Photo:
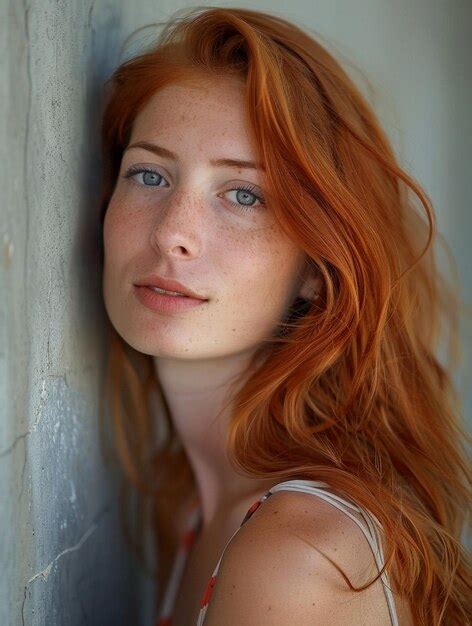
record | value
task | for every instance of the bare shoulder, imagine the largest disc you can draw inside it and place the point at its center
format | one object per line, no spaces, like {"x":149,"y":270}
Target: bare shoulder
{"x":274,"y":571}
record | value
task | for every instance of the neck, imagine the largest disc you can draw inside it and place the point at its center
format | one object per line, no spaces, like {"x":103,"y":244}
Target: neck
{"x":199,"y":395}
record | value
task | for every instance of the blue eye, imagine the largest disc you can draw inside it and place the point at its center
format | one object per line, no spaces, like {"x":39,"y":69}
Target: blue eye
{"x":245,"y":194}
{"x":246,"y":197}
{"x":153,"y":179}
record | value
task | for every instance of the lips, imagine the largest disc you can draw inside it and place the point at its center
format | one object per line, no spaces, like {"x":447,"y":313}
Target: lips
{"x":169,"y":285}
{"x":163,"y":303}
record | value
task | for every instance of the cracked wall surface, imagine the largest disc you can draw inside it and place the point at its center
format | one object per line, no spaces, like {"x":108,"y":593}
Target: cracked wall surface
{"x":62,"y":553}
{"x":62,"y":556}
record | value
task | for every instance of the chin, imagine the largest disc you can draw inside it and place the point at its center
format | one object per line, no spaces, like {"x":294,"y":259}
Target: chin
{"x":161,"y":344}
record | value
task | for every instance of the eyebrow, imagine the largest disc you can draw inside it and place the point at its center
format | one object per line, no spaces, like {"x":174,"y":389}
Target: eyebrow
{"x":168,"y":154}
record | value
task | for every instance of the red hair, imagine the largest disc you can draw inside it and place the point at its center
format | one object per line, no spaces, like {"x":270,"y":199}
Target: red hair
{"x":348,"y":389}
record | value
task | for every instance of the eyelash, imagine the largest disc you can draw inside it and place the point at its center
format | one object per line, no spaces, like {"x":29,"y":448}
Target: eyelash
{"x":244,"y":208}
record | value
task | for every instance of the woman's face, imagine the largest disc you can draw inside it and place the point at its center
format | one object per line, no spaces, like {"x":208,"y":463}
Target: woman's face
{"x":186,"y":220}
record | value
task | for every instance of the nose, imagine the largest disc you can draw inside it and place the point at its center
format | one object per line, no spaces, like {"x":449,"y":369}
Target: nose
{"x":179,"y":226}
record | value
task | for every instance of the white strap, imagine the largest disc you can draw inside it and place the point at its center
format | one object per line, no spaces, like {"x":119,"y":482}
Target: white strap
{"x":369,"y":530}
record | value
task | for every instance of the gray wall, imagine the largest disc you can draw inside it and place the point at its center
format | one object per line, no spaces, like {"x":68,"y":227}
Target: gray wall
{"x":62,"y":557}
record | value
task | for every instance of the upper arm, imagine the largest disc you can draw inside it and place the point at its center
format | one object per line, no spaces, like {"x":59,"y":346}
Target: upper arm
{"x":274,"y":572}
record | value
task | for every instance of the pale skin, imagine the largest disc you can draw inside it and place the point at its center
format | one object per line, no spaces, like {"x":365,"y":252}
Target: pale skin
{"x":185,"y":227}
{"x":180,"y":223}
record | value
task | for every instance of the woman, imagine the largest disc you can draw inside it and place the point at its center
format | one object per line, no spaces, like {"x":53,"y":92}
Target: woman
{"x":274,"y":300}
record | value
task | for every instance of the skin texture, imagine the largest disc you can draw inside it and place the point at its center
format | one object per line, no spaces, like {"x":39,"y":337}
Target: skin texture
{"x":273,"y":571}
{"x":184,"y":226}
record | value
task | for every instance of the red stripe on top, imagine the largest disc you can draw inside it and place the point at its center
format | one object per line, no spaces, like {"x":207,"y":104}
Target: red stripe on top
{"x":251,"y":511}
{"x":207,"y":595}
{"x":187,"y":540}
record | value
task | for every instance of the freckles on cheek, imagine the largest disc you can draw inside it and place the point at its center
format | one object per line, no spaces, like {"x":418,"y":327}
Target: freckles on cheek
{"x":121,"y":226}
{"x":274,"y":266}
{"x":259,"y":265}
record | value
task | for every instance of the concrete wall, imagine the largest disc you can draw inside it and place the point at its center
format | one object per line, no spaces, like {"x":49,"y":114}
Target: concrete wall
{"x":62,"y":557}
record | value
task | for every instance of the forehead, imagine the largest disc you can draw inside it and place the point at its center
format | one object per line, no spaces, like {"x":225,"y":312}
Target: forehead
{"x":209,"y":114}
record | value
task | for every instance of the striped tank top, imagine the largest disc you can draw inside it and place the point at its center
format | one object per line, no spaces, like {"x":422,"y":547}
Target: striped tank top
{"x":367,"y":522}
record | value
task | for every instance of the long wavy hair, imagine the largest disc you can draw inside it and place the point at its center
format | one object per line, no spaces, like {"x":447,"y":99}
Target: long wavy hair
{"x":350,"y":389}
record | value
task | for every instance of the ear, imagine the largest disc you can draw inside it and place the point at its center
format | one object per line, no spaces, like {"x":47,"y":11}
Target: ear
{"x":311,"y":284}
